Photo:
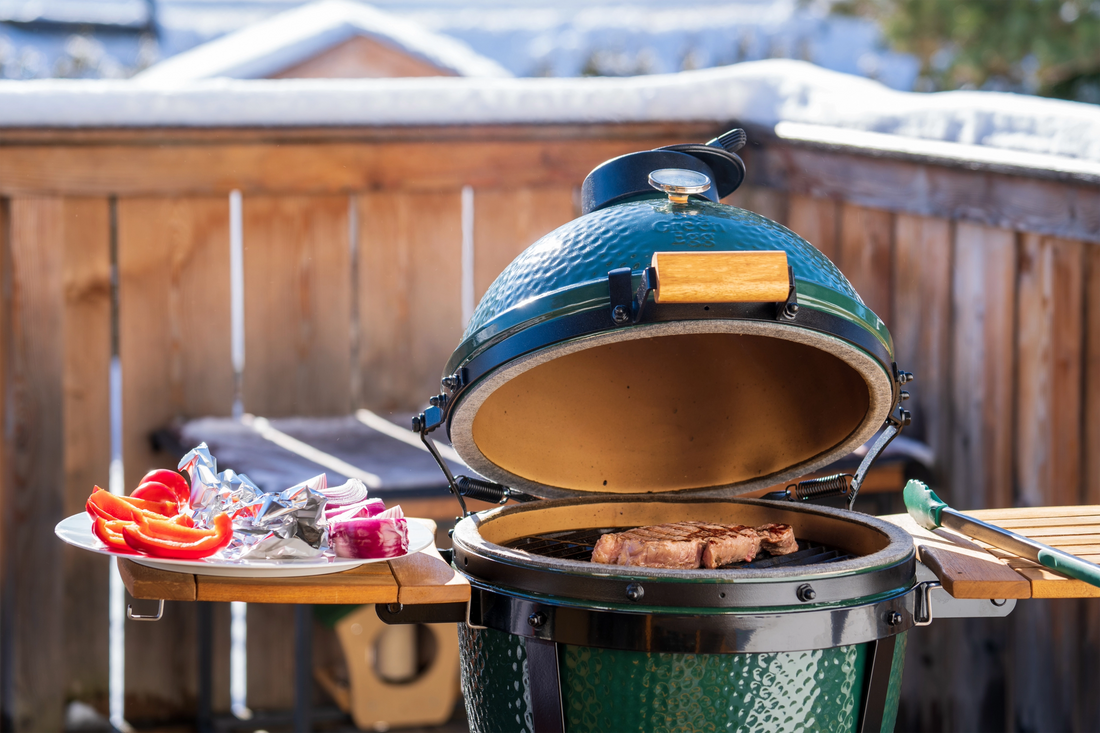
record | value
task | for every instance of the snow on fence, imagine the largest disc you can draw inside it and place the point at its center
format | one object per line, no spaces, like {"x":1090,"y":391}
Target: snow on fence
{"x":982,"y":260}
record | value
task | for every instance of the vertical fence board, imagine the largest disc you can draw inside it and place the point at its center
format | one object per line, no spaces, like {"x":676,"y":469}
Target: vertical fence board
{"x":1047,"y":636}
{"x":174,"y":332}
{"x":86,"y":412}
{"x":984,"y":303}
{"x":506,"y":222}
{"x":921,"y":324}
{"x":174,"y":347}
{"x":1048,"y":385}
{"x":1091,"y":485}
{"x":385,"y":301}
{"x":33,"y":646}
{"x":866,"y":256}
{"x":1088,"y":703}
{"x":297,"y":309}
{"x":410,"y":282}
{"x":817,"y":221}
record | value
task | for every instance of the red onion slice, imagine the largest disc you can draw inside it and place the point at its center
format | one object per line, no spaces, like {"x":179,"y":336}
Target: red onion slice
{"x":353,"y":491}
{"x":368,"y":508}
{"x":370,"y":538}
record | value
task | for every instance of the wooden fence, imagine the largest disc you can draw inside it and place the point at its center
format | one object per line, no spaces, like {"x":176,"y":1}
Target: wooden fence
{"x":988,"y":277}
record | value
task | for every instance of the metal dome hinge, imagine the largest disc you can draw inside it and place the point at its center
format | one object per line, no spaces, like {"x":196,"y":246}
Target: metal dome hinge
{"x":628,"y":304}
{"x":454,"y":382}
{"x":896,"y":421}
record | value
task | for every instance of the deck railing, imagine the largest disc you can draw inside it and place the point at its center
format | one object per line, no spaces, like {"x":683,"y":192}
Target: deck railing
{"x":363,"y":250}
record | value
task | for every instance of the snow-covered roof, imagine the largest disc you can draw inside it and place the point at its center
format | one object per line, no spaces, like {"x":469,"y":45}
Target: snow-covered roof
{"x":267,"y":47}
{"x":601,"y":37}
{"x":762,"y":93}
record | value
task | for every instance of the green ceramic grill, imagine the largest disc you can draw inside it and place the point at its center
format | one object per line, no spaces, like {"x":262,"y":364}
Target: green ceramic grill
{"x":649,"y":362}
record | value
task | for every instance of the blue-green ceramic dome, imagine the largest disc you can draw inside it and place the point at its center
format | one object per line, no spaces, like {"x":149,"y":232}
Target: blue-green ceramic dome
{"x":742,"y":398}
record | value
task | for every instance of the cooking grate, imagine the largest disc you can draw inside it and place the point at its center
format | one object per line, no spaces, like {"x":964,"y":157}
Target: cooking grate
{"x":577,"y":544}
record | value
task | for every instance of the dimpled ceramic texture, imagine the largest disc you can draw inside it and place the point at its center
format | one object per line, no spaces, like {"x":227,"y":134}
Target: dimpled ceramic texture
{"x":607,"y":690}
{"x":495,"y":683}
{"x":627,"y":235}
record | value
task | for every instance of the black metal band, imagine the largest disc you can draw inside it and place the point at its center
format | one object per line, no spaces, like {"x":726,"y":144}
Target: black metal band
{"x":544,"y":682}
{"x":714,"y":633}
{"x":598,"y":320}
{"x":877,"y":688}
{"x":424,"y":613}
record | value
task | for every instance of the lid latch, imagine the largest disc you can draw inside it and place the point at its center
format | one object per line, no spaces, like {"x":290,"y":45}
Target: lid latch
{"x":627,"y":305}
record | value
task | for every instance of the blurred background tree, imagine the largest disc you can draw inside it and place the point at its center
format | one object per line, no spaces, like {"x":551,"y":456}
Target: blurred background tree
{"x":1046,"y":47}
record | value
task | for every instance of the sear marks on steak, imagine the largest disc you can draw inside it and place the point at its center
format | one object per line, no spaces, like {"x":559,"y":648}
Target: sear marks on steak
{"x":778,"y":539}
{"x":688,"y":545}
{"x":738,"y":544}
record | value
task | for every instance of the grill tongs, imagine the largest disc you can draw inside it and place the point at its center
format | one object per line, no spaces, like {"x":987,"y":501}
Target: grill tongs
{"x":931,"y":512}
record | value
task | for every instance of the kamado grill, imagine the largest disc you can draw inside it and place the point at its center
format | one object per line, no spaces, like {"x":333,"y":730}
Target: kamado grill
{"x":648,"y":363}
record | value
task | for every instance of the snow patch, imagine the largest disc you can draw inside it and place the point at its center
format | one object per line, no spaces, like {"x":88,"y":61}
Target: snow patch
{"x":762,"y":93}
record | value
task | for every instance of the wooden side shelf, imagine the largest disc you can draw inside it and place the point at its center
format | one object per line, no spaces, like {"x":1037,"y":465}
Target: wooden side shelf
{"x":966,"y":568}
{"x":422,"y":577}
{"x":971,"y":569}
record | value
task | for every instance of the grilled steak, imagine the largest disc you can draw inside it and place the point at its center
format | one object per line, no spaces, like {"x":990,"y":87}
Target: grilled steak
{"x":687,"y":545}
{"x":778,"y":539}
{"x":738,"y":544}
{"x":676,"y":546}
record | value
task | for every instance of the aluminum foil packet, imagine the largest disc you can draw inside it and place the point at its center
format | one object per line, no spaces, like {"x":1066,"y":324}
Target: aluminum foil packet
{"x":289,"y":524}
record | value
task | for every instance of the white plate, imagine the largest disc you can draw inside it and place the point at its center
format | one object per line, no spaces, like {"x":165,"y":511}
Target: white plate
{"x":77,"y":531}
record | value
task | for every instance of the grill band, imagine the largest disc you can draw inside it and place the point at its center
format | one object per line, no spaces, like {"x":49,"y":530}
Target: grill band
{"x":719,"y":633}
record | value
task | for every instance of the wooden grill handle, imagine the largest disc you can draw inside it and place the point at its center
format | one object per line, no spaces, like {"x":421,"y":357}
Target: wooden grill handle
{"x":721,"y":277}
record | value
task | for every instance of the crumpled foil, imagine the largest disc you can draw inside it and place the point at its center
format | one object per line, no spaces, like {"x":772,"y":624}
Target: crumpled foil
{"x":289,"y":524}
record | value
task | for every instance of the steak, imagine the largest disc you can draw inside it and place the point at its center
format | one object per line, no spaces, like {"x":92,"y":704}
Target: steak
{"x":737,"y":544}
{"x":688,"y":545}
{"x":778,"y":539}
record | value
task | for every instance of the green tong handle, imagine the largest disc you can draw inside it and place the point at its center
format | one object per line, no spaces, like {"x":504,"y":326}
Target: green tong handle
{"x":1067,"y":564}
{"x":930,"y":512}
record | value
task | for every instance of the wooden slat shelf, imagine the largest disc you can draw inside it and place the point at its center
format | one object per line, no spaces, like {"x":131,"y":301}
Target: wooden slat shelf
{"x":972,"y":569}
{"x":422,"y":577}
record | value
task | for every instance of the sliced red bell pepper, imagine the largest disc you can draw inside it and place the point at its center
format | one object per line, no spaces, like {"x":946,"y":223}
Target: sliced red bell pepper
{"x":110,"y":534}
{"x":109,"y":506}
{"x":172,"y":530}
{"x":155,"y":491}
{"x":183,"y":520}
{"x":205,"y":544}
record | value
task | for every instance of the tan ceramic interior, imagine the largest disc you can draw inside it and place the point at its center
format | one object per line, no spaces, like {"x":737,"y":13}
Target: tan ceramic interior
{"x":672,"y":412}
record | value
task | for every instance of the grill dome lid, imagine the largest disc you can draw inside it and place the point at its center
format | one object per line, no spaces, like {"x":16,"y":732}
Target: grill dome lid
{"x":574,"y":376}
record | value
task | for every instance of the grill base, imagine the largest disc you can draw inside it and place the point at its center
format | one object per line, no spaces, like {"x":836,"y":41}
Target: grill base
{"x":577,"y":544}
